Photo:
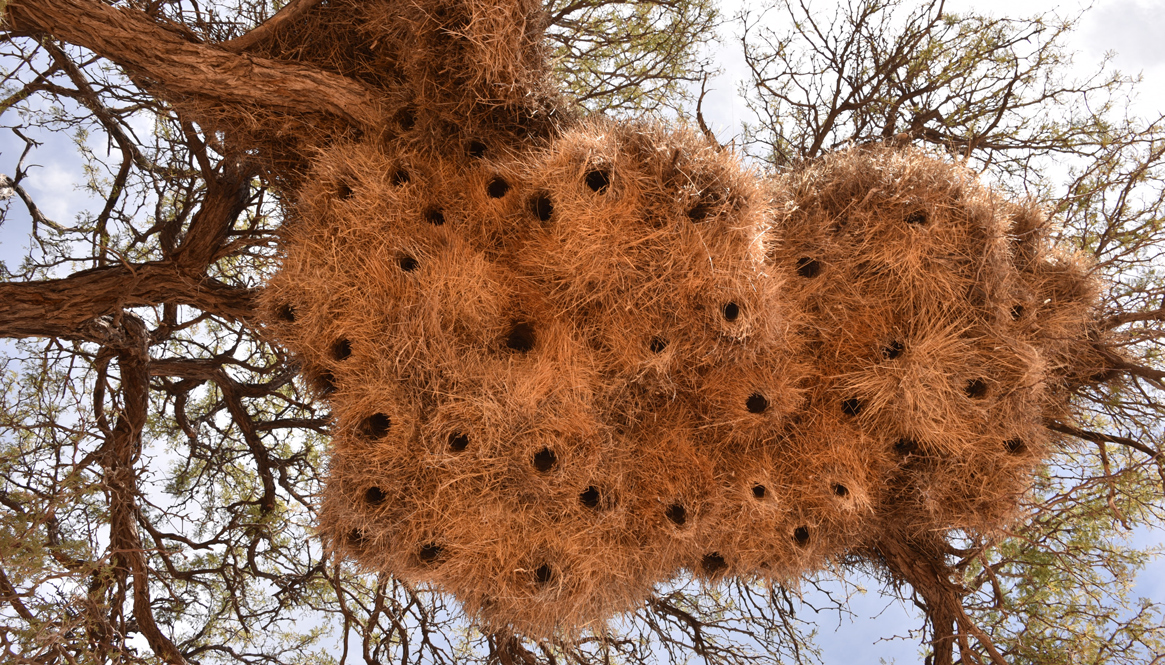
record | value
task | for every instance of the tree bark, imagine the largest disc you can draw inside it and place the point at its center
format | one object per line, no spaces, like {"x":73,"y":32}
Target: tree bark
{"x":183,"y":69}
{"x":70,"y":308}
{"x":119,"y":454}
{"x":922,"y":567}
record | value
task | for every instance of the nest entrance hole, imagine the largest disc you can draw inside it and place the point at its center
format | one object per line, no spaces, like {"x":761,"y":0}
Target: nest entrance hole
{"x":852,"y":407}
{"x":374,"y":496}
{"x":542,"y":206}
{"x":430,"y":553}
{"x":545,"y":460}
{"x":326,"y":383}
{"x":341,"y":349}
{"x":756,"y":403}
{"x":731,"y":311}
{"x":893,"y":350}
{"x":497,"y":187}
{"x":356,"y":538}
{"x":840,"y":490}
{"x":677,"y":514}
{"x":590,"y":497}
{"x":521,"y":337}
{"x":344,"y":191}
{"x":808,"y":267}
{"x":905,"y":446}
{"x":1015,"y":446}
{"x":286,"y":313}
{"x":705,"y":207}
{"x":713,"y":563}
{"x":759,"y":491}
{"x":918,"y":217}
{"x":407,"y":263}
{"x":1017,"y":312}
{"x":543,"y":575}
{"x":435,"y":216}
{"x":475,"y":149}
{"x":400,"y":177}
{"x":801,"y":536}
{"x":375,"y":426}
{"x":458,"y":442}
{"x":976,"y":389}
{"x":406,"y":119}
{"x":598,"y":180}
{"x":658,"y":344}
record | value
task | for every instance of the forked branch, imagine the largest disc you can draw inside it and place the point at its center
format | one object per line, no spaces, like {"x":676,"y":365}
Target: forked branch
{"x":180,"y":69}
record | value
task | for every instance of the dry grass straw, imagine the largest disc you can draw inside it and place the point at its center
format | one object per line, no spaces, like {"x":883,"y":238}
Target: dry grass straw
{"x":564,"y":375}
{"x":570,"y":360}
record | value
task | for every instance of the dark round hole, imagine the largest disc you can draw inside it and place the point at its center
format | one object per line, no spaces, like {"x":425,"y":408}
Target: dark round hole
{"x":731,"y":311}
{"x":905,"y":446}
{"x":400,"y":177}
{"x":701,"y":211}
{"x":1017,"y":312}
{"x":497,"y":188}
{"x":356,"y":538}
{"x":808,"y":268}
{"x":840,"y":490}
{"x":475,"y":149}
{"x":406,"y":119}
{"x":326,"y":383}
{"x":341,"y":349}
{"x":1015,"y":446}
{"x":544,"y":575}
{"x":521,"y":338}
{"x":598,"y":180}
{"x":756,"y":403}
{"x":542,"y":206}
{"x":976,"y":389}
{"x":658,"y":344}
{"x":434,"y":216}
{"x":893,"y":350}
{"x":375,"y":426}
{"x":344,"y":191}
{"x":430,"y":552}
{"x":407,"y":263}
{"x":677,"y":514}
{"x":458,"y":442}
{"x":713,"y":563}
{"x":544,"y":460}
{"x":852,"y":406}
{"x":590,"y":497}
{"x":374,"y":496}
{"x":286,"y":313}
{"x":758,"y":491}
{"x":916,"y":217}
{"x":801,"y":535}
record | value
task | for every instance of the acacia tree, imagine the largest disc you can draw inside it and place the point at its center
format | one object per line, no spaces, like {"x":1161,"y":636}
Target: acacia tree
{"x":160,"y":460}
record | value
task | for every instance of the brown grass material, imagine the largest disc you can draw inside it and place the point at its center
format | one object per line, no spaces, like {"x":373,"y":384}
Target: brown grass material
{"x":570,"y":369}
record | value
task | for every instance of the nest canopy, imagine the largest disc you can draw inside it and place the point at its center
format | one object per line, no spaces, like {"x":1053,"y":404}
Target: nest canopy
{"x":570,"y":358}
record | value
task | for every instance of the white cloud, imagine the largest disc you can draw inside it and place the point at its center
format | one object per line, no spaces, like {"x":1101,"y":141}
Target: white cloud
{"x":1132,"y":28}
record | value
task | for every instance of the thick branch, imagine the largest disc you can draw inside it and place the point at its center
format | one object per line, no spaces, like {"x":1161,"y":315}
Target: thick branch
{"x":68,"y":307}
{"x":184,"y":69}
{"x":119,"y":454}
{"x":921,"y":565}
{"x":290,"y":12}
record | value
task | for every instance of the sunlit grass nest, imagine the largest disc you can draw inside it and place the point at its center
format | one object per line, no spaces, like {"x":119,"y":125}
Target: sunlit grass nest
{"x":567,"y":370}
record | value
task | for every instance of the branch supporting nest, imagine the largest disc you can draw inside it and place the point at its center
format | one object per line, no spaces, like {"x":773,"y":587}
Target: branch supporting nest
{"x":166,"y":61}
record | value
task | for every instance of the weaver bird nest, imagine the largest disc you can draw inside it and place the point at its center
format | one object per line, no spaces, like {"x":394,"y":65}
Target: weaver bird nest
{"x":569,"y":360}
